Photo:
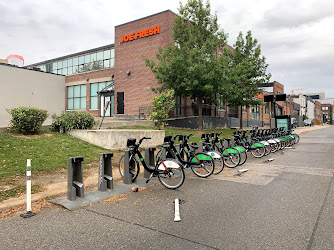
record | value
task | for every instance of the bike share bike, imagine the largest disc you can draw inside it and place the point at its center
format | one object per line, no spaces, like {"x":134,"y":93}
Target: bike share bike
{"x":201,"y":164}
{"x":230,"y":157}
{"x":169,"y":171}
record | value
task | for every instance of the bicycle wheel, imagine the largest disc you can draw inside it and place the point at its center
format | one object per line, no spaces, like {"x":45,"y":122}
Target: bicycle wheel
{"x":231,"y":157}
{"x":258,"y":152}
{"x":219,"y":161}
{"x":206,"y":167}
{"x":133,"y":167}
{"x":172,"y":176}
{"x":242,"y":154}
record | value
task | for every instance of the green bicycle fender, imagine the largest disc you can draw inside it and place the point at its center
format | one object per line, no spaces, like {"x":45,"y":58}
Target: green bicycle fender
{"x":295,"y":135}
{"x":201,"y":157}
{"x":230,"y":151}
{"x":240,"y":149}
{"x":257,"y":145}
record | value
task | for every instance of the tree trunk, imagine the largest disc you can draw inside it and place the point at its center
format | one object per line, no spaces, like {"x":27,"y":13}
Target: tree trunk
{"x":200,"y":116}
{"x":240,"y":117}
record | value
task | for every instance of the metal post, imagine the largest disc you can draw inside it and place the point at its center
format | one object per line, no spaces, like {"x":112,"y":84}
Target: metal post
{"x":105,"y":172}
{"x":200,"y":147}
{"x":29,"y":213}
{"x":127,"y":178}
{"x":75,"y":186}
{"x":150,"y":161}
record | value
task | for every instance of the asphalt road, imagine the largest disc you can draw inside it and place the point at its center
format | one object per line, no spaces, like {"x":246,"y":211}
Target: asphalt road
{"x":287,"y":203}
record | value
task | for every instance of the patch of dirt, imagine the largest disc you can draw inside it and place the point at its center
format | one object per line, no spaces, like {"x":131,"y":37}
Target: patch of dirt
{"x":55,"y":186}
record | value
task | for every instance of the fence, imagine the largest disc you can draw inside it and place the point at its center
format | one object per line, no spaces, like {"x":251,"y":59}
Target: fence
{"x":186,"y":111}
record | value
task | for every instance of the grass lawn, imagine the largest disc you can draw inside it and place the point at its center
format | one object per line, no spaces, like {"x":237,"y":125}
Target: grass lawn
{"x":48,"y":152}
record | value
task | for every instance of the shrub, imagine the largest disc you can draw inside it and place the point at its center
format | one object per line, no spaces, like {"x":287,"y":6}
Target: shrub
{"x":163,"y":103}
{"x":27,"y":120}
{"x":72,"y":120}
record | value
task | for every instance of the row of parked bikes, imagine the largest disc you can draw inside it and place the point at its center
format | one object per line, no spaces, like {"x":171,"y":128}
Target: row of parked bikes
{"x":208,"y":157}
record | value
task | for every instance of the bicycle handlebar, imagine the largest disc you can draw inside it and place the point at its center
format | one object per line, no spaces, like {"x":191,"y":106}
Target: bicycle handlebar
{"x":189,"y":136}
{"x":143,"y":138}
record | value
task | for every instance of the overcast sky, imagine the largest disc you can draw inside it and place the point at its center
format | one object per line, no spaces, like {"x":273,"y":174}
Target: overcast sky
{"x":296,"y":37}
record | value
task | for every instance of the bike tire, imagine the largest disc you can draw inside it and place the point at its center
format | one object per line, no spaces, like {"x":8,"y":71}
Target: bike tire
{"x":206,"y":168}
{"x":258,"y":152}
{"x":243,"y":155}
{"x":172,"y":178}
{"x":134,"y":167}
{"x":219,"y":165}
{"x":232,"y":160}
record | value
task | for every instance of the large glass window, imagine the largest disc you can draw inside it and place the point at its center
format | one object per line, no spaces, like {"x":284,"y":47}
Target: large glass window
{"x":99,"y":55}
{"x":255,"y":112}
{"x":89,"y":62}
{"x":267,"y":108}
{"x":94,"y":88}
{"x":75,"y":61}
{"x":76,"y":97}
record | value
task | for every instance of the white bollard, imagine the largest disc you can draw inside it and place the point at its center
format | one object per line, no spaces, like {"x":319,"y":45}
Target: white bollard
{"x":177,"y":210}
{"x":28,"y":185}
{"x":29,"y":213}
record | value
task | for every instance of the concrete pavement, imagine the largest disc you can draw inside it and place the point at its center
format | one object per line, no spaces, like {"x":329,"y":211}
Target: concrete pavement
{"x":283,"y":204}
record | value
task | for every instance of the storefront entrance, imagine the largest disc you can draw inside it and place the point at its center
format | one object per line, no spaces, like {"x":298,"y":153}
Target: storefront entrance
{"x":107,"y":104}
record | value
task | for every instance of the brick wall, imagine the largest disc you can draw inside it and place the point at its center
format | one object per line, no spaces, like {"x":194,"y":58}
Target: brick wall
{"x":129,"y":57}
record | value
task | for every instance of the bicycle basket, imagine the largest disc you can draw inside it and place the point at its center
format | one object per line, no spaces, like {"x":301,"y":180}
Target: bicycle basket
{"x":131,"y":143}
{"x":168,"y":139}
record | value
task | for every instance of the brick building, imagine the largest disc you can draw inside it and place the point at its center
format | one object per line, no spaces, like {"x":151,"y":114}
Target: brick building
{"x":114,"y":78}
{"x":318,"y":119}
{"x":326,"y":113}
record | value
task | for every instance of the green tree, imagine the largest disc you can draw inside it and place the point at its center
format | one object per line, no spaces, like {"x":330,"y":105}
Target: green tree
{"x":191,"y":66}
{"x":162,"y":104}
{"x":247,"y":71}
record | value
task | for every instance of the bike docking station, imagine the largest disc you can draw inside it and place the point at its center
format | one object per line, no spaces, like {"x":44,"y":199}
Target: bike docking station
{"x":77,"y":197}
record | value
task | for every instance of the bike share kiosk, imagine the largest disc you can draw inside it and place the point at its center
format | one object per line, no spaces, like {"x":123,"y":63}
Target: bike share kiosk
{"x":283,"y":121}
{"x":273,"y":99}
{"x":75,"y":186}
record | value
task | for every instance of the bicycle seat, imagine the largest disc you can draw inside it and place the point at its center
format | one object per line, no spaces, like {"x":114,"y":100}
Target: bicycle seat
{"x":168,"y":139}
{"x":131,"y":143}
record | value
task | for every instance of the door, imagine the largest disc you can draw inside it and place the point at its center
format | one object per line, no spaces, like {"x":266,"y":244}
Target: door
{"x":107,"y":105}
{"x":120,"y":102}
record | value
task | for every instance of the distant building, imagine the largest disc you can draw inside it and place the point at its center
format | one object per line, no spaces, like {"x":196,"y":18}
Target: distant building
{"x":310,"y":108}
{"x":301,"y":100}
{"x":15,"y":60}
{"x":327,"y":113}
{"x":317,"y":96}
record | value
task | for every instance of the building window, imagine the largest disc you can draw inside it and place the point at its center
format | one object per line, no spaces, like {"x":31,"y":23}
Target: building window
{"x":267,"y":108}
{"x":83,"y":63}
{"x":76,"y":97}
{"x":94,"y":89}
{"x":255,"y":112}
{"x":324,"y":108}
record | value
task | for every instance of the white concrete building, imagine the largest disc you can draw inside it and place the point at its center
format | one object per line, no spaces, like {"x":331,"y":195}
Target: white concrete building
{"x":310,"y":108}
{"x":301,"y":100}
{"x":26,"y":87}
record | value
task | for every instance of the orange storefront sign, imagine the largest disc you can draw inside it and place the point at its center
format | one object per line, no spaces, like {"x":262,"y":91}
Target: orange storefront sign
{"x":140,"y":34}
{"x":259,"y":96}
